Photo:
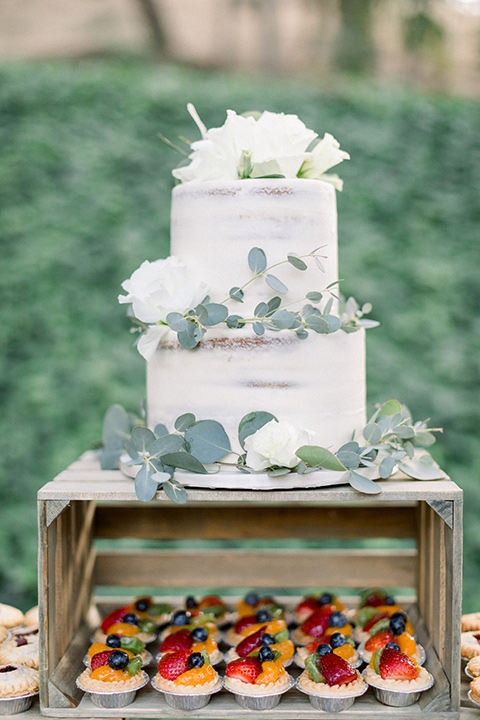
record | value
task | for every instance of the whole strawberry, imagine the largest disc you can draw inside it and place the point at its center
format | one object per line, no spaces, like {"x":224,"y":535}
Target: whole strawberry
{"x":180,"y":640}
{"x":173,"y":664}
{"x":100,"y":659}
{"x":115,"y":617}
{"x":379,"y":640}
{"x":396,"y":665}
{"x":244,"y":622}
{"x":245,"y":669}
{"x":316,"y":624}
{"x":336,"y":670}
{"x":246,"y":646}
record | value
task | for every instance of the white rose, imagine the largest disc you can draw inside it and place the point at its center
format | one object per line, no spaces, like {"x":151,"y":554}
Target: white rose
{"x":281,"y":143}
{"x":150,"y":340}
{"x":158,"y":288}
{"x":324,"y":155}
{"x":275,"y":444}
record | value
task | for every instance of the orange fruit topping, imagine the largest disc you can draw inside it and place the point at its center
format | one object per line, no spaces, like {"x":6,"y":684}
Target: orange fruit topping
{"x":272,"y":627}
{"x":96,"y":648}
{"x":388,"y":609}
{"x":209,"y":645}
{"x":285,"y":648}
{"x":345,"y":651}
{"x":346,"y":630}
{"x":271,"y":672}
{"x":123,"y":630}
{"x":406,"y":643}
{"x":106,"y":674}
{"x":197,"y":676}
{"x":338,"y":604}
{"x":243,"y":609}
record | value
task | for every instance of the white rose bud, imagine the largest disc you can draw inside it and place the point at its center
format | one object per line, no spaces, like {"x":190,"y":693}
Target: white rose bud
{"x":275,"y":444}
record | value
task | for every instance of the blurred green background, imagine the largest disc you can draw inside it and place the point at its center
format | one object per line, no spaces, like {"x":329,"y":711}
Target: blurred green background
{"x":85,"y":186}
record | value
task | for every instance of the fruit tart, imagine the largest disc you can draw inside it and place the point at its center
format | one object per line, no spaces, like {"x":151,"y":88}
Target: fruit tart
{"x":21,"y":649}
{"x":188,"y":679}
{"x":194,"y":640}
{"x":279,"y":642}
{"x":330,"y":682}
{"x":255,"y":677}
{"x":323,"y":622}
{"x":126,"y":625}
{"x":185,"y":620}
{"x":132,"y":645}
{"x":210,"y":605}
{"x":397,"y":679}
{"x":470,"y":644}
{"x":252,"y":602}
{"x":341,"y":645}
{"x":471,"y":621}
{"x":474,"y":693}
{"x":369,"y":620}
{"x":244,"y":625}
{"x":311,"y":603}
{"x":10,"y":616}
{"x":391,"y":632}
{"x":113,"y":678}
{"x":18,"y":685}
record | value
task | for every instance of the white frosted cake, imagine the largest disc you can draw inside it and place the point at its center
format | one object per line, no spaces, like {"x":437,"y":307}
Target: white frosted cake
{"x":317,"y":382}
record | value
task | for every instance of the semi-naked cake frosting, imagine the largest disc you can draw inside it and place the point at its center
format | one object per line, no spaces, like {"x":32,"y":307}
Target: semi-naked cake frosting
{"x":317,"y":382}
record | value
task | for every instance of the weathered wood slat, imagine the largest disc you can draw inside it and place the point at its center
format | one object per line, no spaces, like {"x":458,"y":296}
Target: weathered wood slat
{"x":266,"y":568}
{"x":156,"y":522}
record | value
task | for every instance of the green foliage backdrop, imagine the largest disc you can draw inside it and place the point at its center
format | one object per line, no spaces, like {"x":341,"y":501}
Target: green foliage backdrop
{"x":85,"y":185}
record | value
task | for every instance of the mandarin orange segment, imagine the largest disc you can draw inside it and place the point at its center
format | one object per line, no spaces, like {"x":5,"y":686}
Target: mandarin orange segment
{"x":123,"y":630}
{"x":345,"y":651}
{"x":338,"y":604}
{"x":389,"y":609}
{"x":97,"y":648}
{"x":244,"y":609}
{"x":106,"y":674}
{"x":346,"y":630}
{"x":209,"y":645}
{"x":272,"y":627}
{"x":407,"y":644}
{"x":197,"y":676}
{"x":271,"y":672}
{"x":285,"y":648}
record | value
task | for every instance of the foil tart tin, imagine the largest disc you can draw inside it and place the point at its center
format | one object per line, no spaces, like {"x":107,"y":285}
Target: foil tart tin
{"x":332,"y":704}
{"x":112,"y":699}
{"x":148,"y":660}
{"x":14,"y":705}
{"x":261,"y":702}
{"x":399,"y":698}
{"x":469,"y":674}
{"x":366,"y":656}
{"x":470,"y":697}
{"x":183,"y":701}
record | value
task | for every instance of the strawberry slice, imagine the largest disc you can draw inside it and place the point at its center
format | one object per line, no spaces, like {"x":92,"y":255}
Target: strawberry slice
{"x":397,"y":666}
{"x":250,"y":643}
{"x":373,"y":621}
{"x":100,"y":658}
{"x":180,"y":640}
{"x":336,"y":670}
{"x":317,"y":623}
{"x":309,"y":604}
{"x":245,"y":669}
{"x":379,"y":640}
{"x":244,"y":623}
{"x":174,"y":664}
{"x":115,"y":617}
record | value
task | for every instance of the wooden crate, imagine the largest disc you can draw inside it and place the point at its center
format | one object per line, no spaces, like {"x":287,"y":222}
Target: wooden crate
{"x":84,"y":506}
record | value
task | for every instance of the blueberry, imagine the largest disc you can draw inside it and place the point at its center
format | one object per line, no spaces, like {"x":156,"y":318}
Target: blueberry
{"x":118,"y":660}
{"x":180,"y":618}
{"x":337,"y":639}
{"x":251,"y":599}
{"x":266,"y":653}
{"x":112,"y":641}
{"x":393,"y":646}
{"x":199,"y":634}
{"x":325,"y":599}
{"x":397,"y":625}
{"x":267,"y":639}
{"x":131,"y":619}
{"x":323,"y":649}
{"x":263,"y":616}
{"x":190,"y":602}
{"x":195,"y":660}
{"x":142,"y":604}
{"x":389,"y":600}
{"x":337,"y":619}
{"x":399,"y":614}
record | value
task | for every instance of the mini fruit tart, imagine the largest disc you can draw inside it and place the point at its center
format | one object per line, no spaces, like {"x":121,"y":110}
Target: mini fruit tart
{"x":21,"y":650}
{"x":133,"y":646}
{"x":473,"y":667}
{"x":17,"y":680}
{"x":369,"y":620}
{"x":257,"y":675}
{"x":243,"y":626}
{"x":394,"y":675}
{"x":113,"y":678}
{"x":341,"y":645}
{"x":323,"y":622}
{"x":311,"y":603}
{"x":194,"y":640}
{"x":331,"y":683}
{"x":186,"y":673}
{"x":391,"y":632}
{"x":471,"y":621}
{"x":185,"y":620}
{"x":279,"y":642}
{"x":129,"y":626}
{"x":148,"y":609}
{"x":252,"y":603}
{"x":470,"y":644}
{"x":208,"y":605}
{"x":475,"y":690}
{"x":10,"y":616}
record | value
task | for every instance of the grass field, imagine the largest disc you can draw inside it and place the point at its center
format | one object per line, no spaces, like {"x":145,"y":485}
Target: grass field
{"x":85,"y":185}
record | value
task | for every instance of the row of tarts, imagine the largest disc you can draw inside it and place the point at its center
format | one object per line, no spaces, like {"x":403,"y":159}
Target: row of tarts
{"x":258,"y":641}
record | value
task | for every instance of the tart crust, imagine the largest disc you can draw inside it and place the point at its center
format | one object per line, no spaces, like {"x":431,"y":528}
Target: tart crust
{"x":27,"y":654}
{"x":356,"y":687}
{"x":473,"y":666}
{"x":172,"y":687}
{"x":469,"y":645}
{"x":10,"y":616}
{"x":89,"y":685}
{"x":421,"y":682}
{"x":242,"y":688}
{"x":20,"y":681}
{"x":471,"y":621}
{"x":302,"y":653}
{"x":475,"y":690}
{"x":3,"y":634}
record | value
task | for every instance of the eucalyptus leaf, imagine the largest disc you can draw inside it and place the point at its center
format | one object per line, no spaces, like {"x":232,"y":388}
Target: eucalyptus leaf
{"x":352,"y":307}
{"x":257,"y":261}
{"x":390,"y":407}
{"x":348,"y":459}
{"x":160,"y":430}
{"x":367,"y":308}
{"x":351,"y":446}
{"x":372,"y":433}
{"x":184,"y":421}
{"x":301,"y":467}
{"x":261,"y":309}
{"x":142,"y":438}
{"x":109,"y":458}
{"x":252,"y":422}
{"x":405,"y":432}
{"x":319,"y":457}
{"x":186,"y":338}
{"x":216,"y":313}
{"x":160,"y":477}
{"x":419,"y":471}
{"x":145,"y":486}
{"x":198,"y":333}
{"x":386,"y":467}
{"x":278,"y":471}
{"x":276,"y":284}
{"x":320,"y":264}
{"x":235,"y":321}
{"x":314,"y":296}
{"x":177,"y":322}
{"x":333,"y":322}
{"x":317,"y":324}
{"x":368,"y":324}
{"x":273,"y":304}
{"x":363,"y":484}
{"x":283,"y":319}
{"x":184,"y":461}
{"x":207,"y":441}
{"x":296,"y":262}
{"x":236,"y":293}
{"x":301,"y":333}
{"x":166,"y":444}
{"x":202,"y":314}
{"x":328,"y":306}
{"x":174,"y":491}
{"x":116,"y":427}
{"x":424,"y":438}
{"x":258,"y":328}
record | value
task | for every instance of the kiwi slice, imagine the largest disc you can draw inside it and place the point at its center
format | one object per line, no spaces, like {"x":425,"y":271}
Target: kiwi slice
{"x":365,"y":614}
{"x":134,"y":666}
{"x":311,"y":666}
{"x":281,"y":636}
{"x":376,"y":660}
{"x":382,"y":624}
{"x":132,"y":643}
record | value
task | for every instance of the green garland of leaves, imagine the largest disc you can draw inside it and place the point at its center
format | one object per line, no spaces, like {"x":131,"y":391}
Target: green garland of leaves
{"x":389,"y":441}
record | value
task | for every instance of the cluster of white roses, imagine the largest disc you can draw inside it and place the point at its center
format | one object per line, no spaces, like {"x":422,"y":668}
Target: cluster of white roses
{"x":251,"y":147}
